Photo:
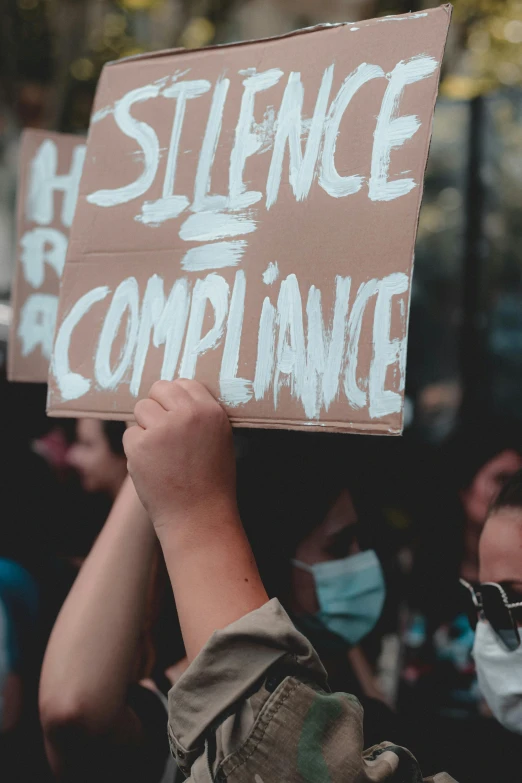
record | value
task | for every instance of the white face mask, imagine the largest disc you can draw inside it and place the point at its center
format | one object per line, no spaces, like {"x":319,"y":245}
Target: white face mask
{"x":500,"y":677}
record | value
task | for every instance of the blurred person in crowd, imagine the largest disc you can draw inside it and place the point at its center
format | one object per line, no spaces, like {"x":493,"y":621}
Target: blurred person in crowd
{"x":54,"y":446}
{"x":496,"y":602}
{"x":439,"y":691}
{"x":102,"y":713}
{"x":48,"y":526}
{"x":114,"y":646}
{"x":98,"y":457}
{"x":317,"y":538}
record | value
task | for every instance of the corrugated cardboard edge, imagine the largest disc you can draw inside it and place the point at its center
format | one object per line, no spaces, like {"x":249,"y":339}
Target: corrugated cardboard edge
{"x":370,"y":428}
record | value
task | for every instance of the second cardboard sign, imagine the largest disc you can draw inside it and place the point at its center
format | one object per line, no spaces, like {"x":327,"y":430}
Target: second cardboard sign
{"x":49,"y":171}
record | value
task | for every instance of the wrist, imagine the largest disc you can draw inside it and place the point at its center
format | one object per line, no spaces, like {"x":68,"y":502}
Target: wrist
{"x":197,"y":523}
{"x":132,"y":515}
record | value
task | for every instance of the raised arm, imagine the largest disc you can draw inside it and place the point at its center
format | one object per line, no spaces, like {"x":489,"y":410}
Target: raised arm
{"x":181,"y":458}
{"x":257,"y":678}
{"x":90,"y":659}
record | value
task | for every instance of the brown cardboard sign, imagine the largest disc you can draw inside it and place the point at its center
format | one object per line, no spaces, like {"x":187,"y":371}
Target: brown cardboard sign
{"x":50,"y":168}
{"x":247,"y":216}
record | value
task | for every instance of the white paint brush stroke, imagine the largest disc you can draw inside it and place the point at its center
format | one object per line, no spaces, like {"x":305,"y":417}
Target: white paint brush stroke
{"x":215,"y":256}
{"x":202,"y":199}
{"x":247,"y":143}
{"x":126,"y":297}
{"x":386,"y":352}
{"x":315,"y":358}
{"x":234,"y":391}
{"x":37,"y":322}
{"x":148,"y":142}
{"x":401,"y":18}
{"x":264,"y":130}
{"x":44,"y":181}
{"x":290,"y":355}
{"x":265,"y":350}
{"x":164,"y":209}
{"x":207,"y":226}
{"x":214,"y":290}
{"x":334,"y":349}
{"x":271,"y":273}
{"x":405,"y":318}
{"x":329,"y":178}
{"x":313,"y":374}
{"x":39,"y":247}
{"x":106,"y":111}
{"x":324,"y":350}
{"x":99,"y":115}
{"x":355,"y":395}
{"x":289,"y":129}
{"x":153,"y":213}
{"x":392,"y":131}
{"x":72,"y":385}
{"x":166,"y":320}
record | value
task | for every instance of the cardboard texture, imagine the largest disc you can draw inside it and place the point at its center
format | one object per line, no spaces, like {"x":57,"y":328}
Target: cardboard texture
{"x":49,"y":172}
{"x":247,"y":216}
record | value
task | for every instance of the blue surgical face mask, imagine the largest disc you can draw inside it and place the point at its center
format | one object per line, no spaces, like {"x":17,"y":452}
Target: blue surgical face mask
{"x":350,"y":592}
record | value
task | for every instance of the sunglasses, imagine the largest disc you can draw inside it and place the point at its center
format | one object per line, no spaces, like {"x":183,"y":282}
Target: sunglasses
{"x":490,"y":602}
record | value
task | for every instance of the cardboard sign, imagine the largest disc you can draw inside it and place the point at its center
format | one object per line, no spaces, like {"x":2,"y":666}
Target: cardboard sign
{"x":50,"y":168}
{"x":247,"y":216}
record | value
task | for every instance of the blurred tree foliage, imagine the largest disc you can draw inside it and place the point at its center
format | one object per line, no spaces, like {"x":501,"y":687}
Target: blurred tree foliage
{"x":489,"y":51}
{"x":52,"y":51}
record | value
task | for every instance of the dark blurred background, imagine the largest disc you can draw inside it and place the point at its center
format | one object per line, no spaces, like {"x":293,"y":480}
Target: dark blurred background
{"x":424,"y":497}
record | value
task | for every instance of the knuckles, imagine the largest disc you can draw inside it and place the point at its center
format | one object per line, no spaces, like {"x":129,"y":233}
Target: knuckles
{"x":186,"y":417}
{"x":140,"y":408}
{"x":160,"y":388}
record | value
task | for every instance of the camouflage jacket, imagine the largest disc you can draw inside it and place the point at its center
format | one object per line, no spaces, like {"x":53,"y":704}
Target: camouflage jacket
{"x":254,"y":707}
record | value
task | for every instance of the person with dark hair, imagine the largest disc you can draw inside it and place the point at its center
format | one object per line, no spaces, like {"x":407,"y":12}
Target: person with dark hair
{"x":439,"y":691}
{"x":497,"y":604}
{"x":316,"y":536}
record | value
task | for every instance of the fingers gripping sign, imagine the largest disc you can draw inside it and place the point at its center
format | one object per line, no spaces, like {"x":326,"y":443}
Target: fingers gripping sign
{"x":180,"y":454}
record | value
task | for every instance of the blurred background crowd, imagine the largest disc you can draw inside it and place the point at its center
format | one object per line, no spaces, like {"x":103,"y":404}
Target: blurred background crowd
{"x":419,"y":502}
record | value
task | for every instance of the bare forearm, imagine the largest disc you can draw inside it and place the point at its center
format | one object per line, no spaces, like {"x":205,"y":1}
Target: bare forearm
{"x":181,"y":457}
{"x":213,"y":574}
{"x":91,"y":652}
